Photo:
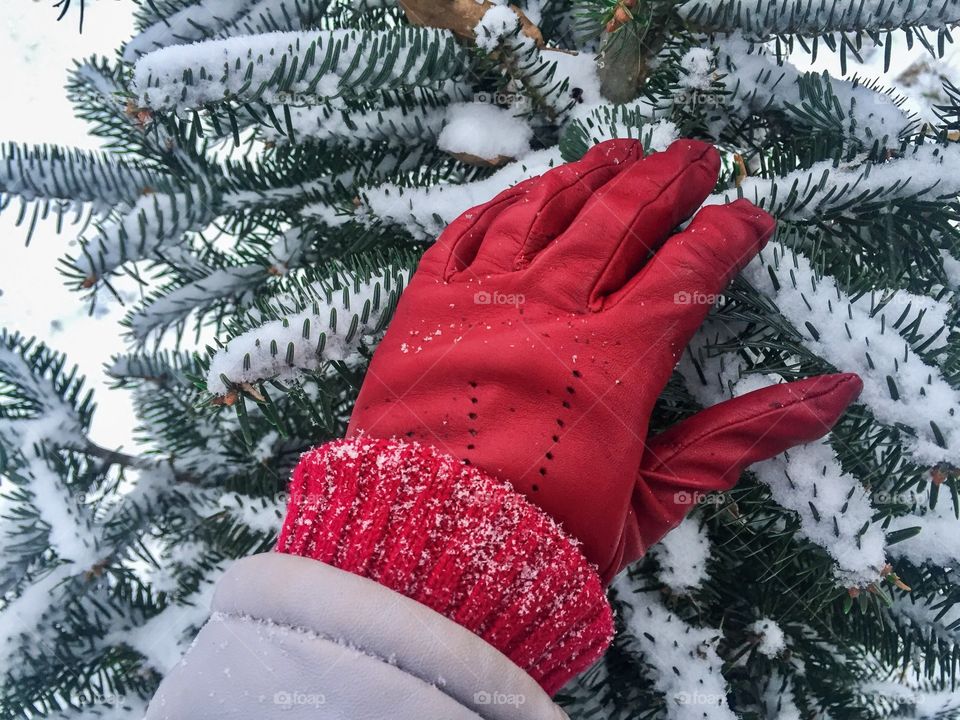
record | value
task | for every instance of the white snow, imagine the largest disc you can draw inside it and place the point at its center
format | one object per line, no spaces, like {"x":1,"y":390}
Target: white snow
{"x":699,"y":65}
{"x":307,"y":356}
{"x":683,"y":554}
{"x":426,"y":211}
{"x":927,"y":172}
{"x":484,"y":130}
{"x":771,"y":641}
{"x":771,"y":17}
{"x":810,"y":475}
{"x":753,"y":76}
{"x":496,"y":23}
{"x":180,"y":77}
{"x":807,"y":475}
{"x":397,"y":125}
{"x":684,"y":660}
{"x":854,"y":341}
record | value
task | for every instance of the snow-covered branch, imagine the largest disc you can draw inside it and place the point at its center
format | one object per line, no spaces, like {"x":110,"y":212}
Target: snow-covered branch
{"x":766,"y":18}
{"x":852,"y":108}
{"x":295,"y":68}
{"x":900,"y":388}
{"x":929,"y":172}
{"x":72,"y":176}
{"x":333,"y":327}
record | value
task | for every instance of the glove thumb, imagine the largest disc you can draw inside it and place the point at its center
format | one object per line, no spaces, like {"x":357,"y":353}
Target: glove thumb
{"x":710,"y":450}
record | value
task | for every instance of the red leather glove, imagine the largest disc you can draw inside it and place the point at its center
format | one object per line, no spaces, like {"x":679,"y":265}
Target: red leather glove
{"x":539,"y":330}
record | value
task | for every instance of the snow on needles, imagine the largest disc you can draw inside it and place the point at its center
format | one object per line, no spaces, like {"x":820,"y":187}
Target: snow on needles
{"x":770,"y":638}
{"x":898,"y":386}
{"x":683,"y":554}
{"x":426,"y":211}
{"x":782,"y":17}
{"x":498,"y":22}
{"x":833,"y":508}
{"x":326,"y":62}
{"x":684,"y":663}
{"x":928,"y":172}
{"x":333,"y":328}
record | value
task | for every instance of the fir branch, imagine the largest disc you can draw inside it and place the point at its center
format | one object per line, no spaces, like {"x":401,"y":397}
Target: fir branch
{"x":787,"y":17}
{"x":296,"y":67}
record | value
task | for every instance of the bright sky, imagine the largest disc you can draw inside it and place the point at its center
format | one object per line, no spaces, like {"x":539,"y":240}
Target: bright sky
{"x":36,"y":52}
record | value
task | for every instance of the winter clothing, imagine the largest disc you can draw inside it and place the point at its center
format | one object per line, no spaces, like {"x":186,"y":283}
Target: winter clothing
{"x":292,"y":639}
{"x":457,"y":540}
{"x":539,"y":330}
{"x":497,"y":468}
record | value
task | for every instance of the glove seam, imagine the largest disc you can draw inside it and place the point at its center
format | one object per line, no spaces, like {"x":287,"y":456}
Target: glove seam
{"x":613,"y":255}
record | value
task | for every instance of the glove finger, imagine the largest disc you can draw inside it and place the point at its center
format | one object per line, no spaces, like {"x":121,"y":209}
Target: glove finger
{"x":458,"y":243}
{"x":630,"y":217}
{"x":549,"y":205}
{"x":682,"y":281}
{"x":710,"y":450}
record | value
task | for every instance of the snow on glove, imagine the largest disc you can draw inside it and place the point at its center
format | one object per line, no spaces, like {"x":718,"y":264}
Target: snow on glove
{"x":539,"y":330}
{"x":507,"y":407}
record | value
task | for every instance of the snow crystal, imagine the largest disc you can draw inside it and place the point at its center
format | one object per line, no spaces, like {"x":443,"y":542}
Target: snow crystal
{"x":497,"y":22}
{"x":662,"y":134}
{"x":484,"y":130}
{"x":772,"y":641}
{"x":684,"y":661}
{"x":951,"y":268}
{"x":698,"y":62}
{"x":265,"y":351}
{"x":832,"y":506}
{"x":259,"y":514}
{"x":939,"y":540}
{"x":683,"y":554}
{"x":852,"y":339}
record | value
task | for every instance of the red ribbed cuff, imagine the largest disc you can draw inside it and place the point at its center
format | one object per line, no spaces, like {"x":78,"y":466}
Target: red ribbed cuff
{"x":457,"y":540}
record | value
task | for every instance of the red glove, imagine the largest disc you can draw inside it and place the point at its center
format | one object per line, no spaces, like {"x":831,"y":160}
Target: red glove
{"x":539,"y":330}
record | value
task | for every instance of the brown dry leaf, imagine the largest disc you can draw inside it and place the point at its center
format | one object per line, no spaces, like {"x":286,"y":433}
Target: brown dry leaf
{"x":225,"y":400}
{"x":461,"y":16}
{"x":742,"y":171}
{"x":252,"y":392}
{"x":478,"y":161}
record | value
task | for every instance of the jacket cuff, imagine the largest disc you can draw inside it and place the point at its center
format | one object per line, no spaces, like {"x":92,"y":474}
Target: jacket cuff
{"x":457,"y":540}
{"x":292,"y":639}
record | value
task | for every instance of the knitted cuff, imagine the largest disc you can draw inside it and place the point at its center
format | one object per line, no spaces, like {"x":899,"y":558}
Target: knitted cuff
{"x":457,"y":540}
